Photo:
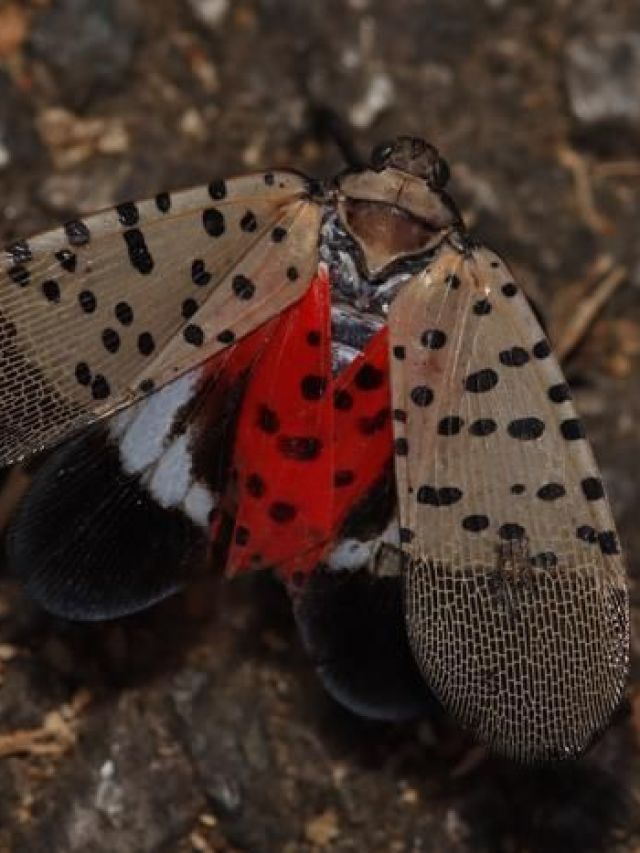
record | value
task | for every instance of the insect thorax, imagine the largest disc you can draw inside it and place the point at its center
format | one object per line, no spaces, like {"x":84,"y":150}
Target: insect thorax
{"x":359,"y":304}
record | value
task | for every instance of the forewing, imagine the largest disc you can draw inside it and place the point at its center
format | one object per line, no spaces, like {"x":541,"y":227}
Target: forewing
{"x":96,"y":314}
{"x":515,"y":588}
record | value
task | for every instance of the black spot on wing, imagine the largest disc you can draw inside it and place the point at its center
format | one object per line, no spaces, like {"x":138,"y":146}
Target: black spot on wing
{"x":342,"y":400}
{"x":51,"y":290}
{"x":128,"y":214}
{"x":255,"y":485}
{"x":514,"y":357}
{"x":343,"y":477}
{"x":526,"y":429}
{"x":608,"y":541}
{"x":111,"y":340}
{"x":450,"y":425}
{"x":87,"y":301}
{"x":572,"y":429}
{"x":124,"y":313}
{"x":189,"y":308}
{"x":303,"y":448}
{"x":586,"y":533}
{"x":481,"y":381}
{"x":441,"y":496}
{"x":483,"y":427}
{"x":475,"y":523}
{"x":421,"y":395}
{"x":199,"y":274}
{"x":482,"y":307}
{"x":100,"y":388}
{"x":511,"y":531}
{"x":592,"y":488}
{"x":217,"y":189}
{"x":243,"y":287}
{"x":77,"y":232}
{"x":368,"y":377}
{"x":163,"y":202}
{"x":19,"y":252}
{"x":139,"y":254}
{"x":146,"y":344}
{"x":193,"y":335}
{"x":213,"y":222}
{"x":401,"y":446}
{"x":83,"y":373}
{"x":313,"y":387}
{"x":267,"y":420}
{"x":559,"y":393}
{"x":542,"y":349}
{"x":20,"y":275}
{"x":433,"y":339}
{"x":551,"y":492}
{"x":67,"y":260}
{"x":249,"y":222}
{"x":282,"y":512}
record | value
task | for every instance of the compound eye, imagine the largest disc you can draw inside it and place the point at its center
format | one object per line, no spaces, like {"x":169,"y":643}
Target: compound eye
{"x":381,"y":154}
{"x":440,"y":174}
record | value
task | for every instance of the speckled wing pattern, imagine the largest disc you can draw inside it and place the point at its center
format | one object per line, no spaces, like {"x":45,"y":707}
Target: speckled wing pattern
{"x":516,"y":599}
{"x":98,"y":313}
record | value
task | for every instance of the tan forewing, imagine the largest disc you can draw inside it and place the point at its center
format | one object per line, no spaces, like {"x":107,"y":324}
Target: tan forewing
{"x":96,"y":314}
{"x":516,"y":597}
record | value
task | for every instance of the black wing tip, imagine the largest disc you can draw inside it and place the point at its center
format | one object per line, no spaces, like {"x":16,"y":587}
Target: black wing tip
{"x":352,"y":626}
{"x":89,"y":543}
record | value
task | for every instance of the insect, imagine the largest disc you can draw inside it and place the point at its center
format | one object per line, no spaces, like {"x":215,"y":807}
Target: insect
{"x":335,"y":381}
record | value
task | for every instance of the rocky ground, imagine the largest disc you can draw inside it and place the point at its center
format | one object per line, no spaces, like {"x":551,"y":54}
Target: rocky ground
{"x":200,"y":725}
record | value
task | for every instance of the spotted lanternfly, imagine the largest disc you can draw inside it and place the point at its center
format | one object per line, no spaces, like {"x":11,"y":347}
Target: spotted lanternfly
{"x":337,"y":382}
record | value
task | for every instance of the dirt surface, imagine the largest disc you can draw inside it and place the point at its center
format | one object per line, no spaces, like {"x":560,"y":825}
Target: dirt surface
{"x":200,"y":725}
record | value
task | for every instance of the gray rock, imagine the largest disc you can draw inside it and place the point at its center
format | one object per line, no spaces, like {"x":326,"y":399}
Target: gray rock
{"x":211,"y":13}
{"x":88,"y":46}
{"x":132,"y":789}
{"x":603,"y":78}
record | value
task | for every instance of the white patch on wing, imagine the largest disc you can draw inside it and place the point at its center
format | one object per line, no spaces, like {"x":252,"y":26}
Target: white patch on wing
{"x":144,"y":438}
{"x":147,"y":448}
{"x":119,"y":423}
{"x":170,"y":479}
{"x":198,"y":503}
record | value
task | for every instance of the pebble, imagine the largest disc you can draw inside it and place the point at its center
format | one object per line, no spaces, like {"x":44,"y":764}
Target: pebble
{"x":192,"y":124}
{"x":210,"y":12}
{"x":89,"y":47}
{"x":603,"y":78}
{"x":71,"y":139}
{"x":322,"y":829}
{"x":377,"y":98}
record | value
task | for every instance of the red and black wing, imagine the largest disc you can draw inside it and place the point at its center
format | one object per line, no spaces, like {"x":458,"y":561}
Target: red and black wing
{"x":172,"y":295}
